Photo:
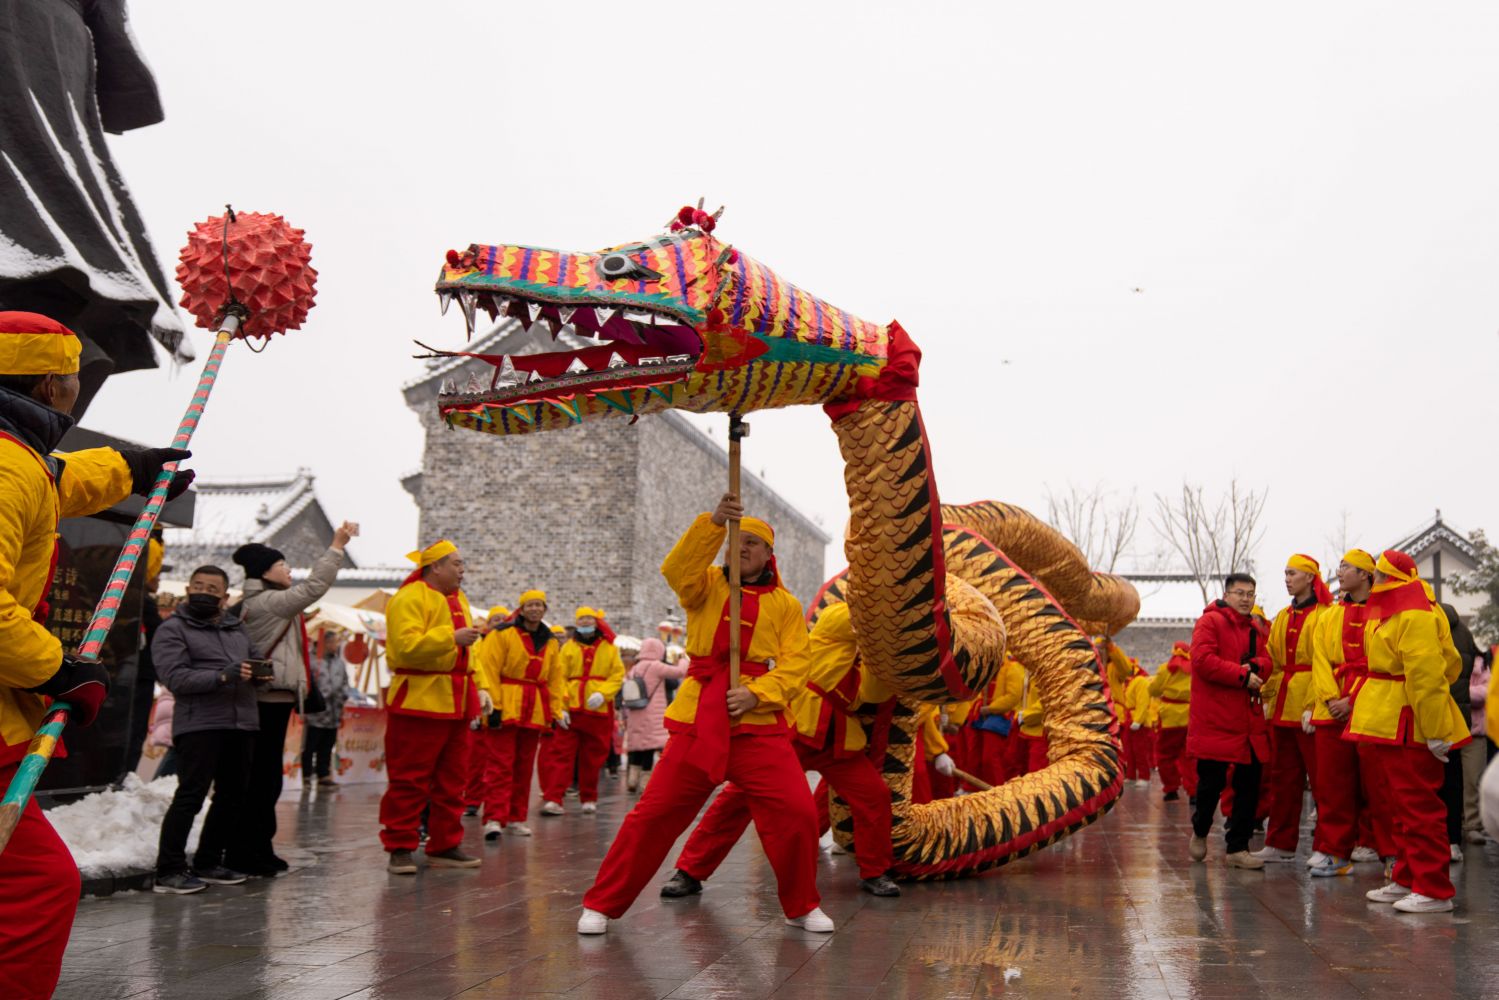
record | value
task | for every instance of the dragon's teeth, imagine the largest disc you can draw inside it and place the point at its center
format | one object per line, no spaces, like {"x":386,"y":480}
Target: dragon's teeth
{"x":533,"y":377}
{"x":474,"y":385}
{"x":448,"y":387}
{"x":521,"y":311}
{"x":444,"y":299}
{"x":554,"y":324}
{"x":615,"y":361}
{"x":566,"y":314}
{"x":576,"y":366}
{"x":467,"y":301}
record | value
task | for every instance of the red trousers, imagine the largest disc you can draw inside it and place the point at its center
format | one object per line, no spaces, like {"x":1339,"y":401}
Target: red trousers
{"x":1414,"y":781}
{"x":1379,"y":831}
{"x":509,"y":759}
{"x":426,"y":761}
{"x":473,"y":793}
{"x":1031,"y":754}
{"x":768,"y":775}
{"x":1342,"y":802}
{"x":1140,"y":752}
{"x":988,"y":757}
{"x":585,"y":747}
{"x":1177,"y":769}
{"x":39,"y":887}
{"x":856,"y":781}
{"x":1293,"y":763}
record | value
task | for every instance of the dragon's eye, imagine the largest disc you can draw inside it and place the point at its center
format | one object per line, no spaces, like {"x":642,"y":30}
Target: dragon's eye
{"x":614,"y":266}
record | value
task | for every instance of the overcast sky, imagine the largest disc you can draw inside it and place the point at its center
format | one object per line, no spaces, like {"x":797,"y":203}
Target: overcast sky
{"x":1136,"y":243}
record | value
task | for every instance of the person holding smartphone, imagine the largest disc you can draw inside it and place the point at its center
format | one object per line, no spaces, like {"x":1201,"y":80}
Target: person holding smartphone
{"x":204,"y":656}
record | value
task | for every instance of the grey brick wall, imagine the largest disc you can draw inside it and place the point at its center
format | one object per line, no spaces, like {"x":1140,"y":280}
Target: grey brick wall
{"x":1150,"y":642}
{"x":587,"y":513}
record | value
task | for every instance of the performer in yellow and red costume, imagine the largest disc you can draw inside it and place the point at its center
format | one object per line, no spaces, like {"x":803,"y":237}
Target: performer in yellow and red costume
{"x":38,"y":388}
{"x":1287,"y":695}
{"x":1406,"y":714}
{"x":1172,"y":684}
{"x":720,"y":731}
{"x":829,"y":740}
{"x":1344,"y":786}
{"x":432,"y":697}
{"x":593,"y":673}
{"x":517,"y":666}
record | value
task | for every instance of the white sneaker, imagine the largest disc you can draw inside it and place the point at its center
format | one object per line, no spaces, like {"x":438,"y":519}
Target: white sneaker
{"x":518,"y":829}
{"x":493,"y":829}
{"x":1316,"y":860}
{"x":1457,"y":853}
{"x":552,"y":809}
{"x":592,"y":922}
{"x":817,"y":922}
{"x":590,"y":807}
{"x":1417,"y":903}
{"x":1268,"y":854}
{"x":1389,"y":893}
{"x":1364,"y":855}
{"x":1142,"y":782}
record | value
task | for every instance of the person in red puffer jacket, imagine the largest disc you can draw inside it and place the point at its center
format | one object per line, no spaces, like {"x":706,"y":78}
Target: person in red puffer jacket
{"x":1227,"y":726}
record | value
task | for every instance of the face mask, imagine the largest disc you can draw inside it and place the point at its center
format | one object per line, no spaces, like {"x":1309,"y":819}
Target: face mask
{"x":202,"y":605}
{"x":585,"y":630}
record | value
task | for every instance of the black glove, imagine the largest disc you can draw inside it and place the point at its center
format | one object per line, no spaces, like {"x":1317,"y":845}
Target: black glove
{"x":146,"y":464}
{"x":83,"y":684}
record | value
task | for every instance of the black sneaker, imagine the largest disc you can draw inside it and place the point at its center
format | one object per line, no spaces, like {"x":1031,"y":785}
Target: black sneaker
{"x":680,"y":884}
{"x":1171,"y":796}
{"x":880,"y":885}
{"x":401,"y":863}
{"x":452,"y":858}
{"x":178,"y":883}
{"x":219,"y":875}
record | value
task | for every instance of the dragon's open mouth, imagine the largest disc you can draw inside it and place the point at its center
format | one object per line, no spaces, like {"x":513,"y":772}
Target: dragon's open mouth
{"x":606,"y":348}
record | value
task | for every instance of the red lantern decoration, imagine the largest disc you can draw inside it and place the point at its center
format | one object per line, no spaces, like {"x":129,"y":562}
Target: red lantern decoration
{"x":356,"y":651}
{"x":259,"y":262}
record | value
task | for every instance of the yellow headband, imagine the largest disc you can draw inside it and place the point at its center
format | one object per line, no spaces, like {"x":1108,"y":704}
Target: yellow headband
{"x":1392,"y":571}
{"x":32,"y":344}
{"x":498,"y":609}
{"x":587,"y":612}
{"x":758,"y":528}
{"x":1304,"y":563}
{"x":532,"y":595}
{"x":437,"y":550}
{"x":1359,"y":559}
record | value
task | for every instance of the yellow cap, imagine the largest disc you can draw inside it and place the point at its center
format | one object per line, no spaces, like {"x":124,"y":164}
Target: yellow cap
{"x":758,"y":528}
{"x":32,"y":344}
{"x":532,"y":595}
{"x":587,"y":612}
{"x":498,"y":609}
{"x":1359,"y":559}
{"x":432,"y":553}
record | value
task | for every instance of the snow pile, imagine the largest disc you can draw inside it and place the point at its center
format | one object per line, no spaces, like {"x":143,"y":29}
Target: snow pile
{"x":116,"y":832}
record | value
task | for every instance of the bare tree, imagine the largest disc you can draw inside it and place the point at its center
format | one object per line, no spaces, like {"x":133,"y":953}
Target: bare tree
{"x":1103,"y":530}
{"x":1338,"y":538}
{"x":1214,"y":537}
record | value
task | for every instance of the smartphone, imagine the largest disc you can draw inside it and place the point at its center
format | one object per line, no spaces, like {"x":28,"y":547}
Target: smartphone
{"x":261,"y":670}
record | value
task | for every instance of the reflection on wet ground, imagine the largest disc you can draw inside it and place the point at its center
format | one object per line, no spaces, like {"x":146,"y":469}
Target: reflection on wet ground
{"x":1114,"y":912}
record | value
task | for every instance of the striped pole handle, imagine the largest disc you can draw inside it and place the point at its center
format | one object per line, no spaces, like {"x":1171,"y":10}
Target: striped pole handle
{"x":44,"y":743}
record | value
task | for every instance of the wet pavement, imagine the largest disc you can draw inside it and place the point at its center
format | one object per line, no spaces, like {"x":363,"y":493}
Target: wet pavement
{"x":1113,"y":912}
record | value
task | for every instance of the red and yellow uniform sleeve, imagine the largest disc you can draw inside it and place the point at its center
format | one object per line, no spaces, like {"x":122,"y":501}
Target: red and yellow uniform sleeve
{"x":486,"y":656}
{"x":1120,"y":670}
{"x":832,"y":652}
{"x":1407,"y":698}
{"x":1327,"y":657}
{"x":92,"y":480}
{"x":1284,"y":707}
{"x":1137,"y":699}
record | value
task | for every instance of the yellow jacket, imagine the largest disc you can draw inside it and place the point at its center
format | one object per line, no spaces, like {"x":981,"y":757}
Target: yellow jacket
{"x":933,"y":739}
{"x":1172,"y":684}
{"x":528,"y":685}
{"x":1287,"y":692}
{"x":1120,"y":670}
{"x":1329,"y":659}
{"x":1137,"y":700}
{"x":30,"y":505}
{"x":1407,"y":698}
{"x":1008,"y":688}
{"x":1033,"y":720}
{"x":779,"y":633}
{"x":837,"y":685}
{"x":430,"y":675}
{"x":604,"y":669}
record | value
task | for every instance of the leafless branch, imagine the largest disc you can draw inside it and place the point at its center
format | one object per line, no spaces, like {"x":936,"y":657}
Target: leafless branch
{"x":1213,"y":538}
{"x":1102,"y":530}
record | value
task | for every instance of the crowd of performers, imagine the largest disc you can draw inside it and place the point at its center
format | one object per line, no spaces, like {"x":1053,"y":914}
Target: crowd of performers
{"x":1347,"y":698}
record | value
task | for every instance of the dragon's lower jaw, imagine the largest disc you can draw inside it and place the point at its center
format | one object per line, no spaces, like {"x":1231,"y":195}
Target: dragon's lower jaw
{"x":604,"y":350}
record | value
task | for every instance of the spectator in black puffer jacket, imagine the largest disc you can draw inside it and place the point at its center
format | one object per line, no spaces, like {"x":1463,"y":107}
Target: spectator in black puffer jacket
{"x":202,"y":655}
